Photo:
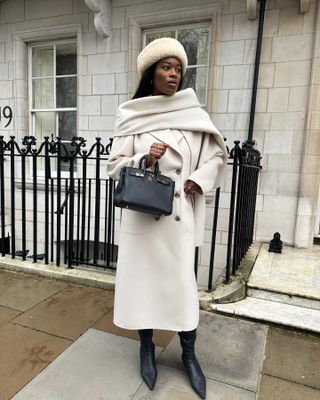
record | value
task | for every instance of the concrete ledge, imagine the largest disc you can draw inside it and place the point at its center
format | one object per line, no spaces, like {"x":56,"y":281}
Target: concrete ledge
{"x":294,"y":272}
{"x":306,"y":319}
{"x":283,"y":298}
{"x":236,"y":289}
{"x":102,"y":280}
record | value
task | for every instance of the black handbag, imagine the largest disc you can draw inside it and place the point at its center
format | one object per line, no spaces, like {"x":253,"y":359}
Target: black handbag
{"x":147,"y":191}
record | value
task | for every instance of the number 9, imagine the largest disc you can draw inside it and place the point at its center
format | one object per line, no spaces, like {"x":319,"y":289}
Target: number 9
{"x":7,"y":113}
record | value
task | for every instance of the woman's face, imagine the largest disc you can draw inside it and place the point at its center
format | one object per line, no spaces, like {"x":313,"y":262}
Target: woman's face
{"x":167,"y":76}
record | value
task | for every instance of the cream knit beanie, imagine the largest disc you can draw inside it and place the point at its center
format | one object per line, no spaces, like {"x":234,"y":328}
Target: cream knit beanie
{"x":159,"y":49}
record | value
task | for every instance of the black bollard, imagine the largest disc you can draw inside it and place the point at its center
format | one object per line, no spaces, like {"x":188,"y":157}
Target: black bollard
{"x":276,"y":244}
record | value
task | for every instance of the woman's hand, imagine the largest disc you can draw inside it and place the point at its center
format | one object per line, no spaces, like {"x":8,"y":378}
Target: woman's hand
{"x":191,"y":187}
{"x":156,"y":151}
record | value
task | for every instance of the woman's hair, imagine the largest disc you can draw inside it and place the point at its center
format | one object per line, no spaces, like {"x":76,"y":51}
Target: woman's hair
{"x":145,"y":87}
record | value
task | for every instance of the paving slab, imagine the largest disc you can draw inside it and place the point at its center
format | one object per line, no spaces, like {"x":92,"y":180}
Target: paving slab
{"x":6,"y":275}
{"x":24,"y":353}
{"x":294,"y":271}
{"x":70,"y":312}
{"x":160,"y":337}
{"x":24,"y":292}
{"x":293,"y":356}
{"x":270,"y":311}
{"x":173,"y":384}
{"x":278,"y":389}
{"x":223,"y":345}
{"x":7,"y":314}
{"x":97,"y":366}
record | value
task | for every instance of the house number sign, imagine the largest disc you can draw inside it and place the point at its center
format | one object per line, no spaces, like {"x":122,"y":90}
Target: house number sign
{"x":5,"y":116}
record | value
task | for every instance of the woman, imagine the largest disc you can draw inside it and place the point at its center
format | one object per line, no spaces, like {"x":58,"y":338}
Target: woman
{"x":155,"y":281}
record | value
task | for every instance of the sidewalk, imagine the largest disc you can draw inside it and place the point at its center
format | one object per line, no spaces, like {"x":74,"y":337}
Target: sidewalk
{"x":58,"y":342}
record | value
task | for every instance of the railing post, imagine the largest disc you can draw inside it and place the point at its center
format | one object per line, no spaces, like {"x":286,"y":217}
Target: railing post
{"x":196,"y":261}
{"x":71,"y":213}
{"x":235,"y":155}
{"x":13,"y":193}
{"x":84,"y":193}
{"x":47,"y":176}
{"x":213,"y":237}
{"x":97,"y":203}
{"x":35,"y":203}
{"x":23,"y":203}
{"x":2,"y":195}
{"x":58,"y":146}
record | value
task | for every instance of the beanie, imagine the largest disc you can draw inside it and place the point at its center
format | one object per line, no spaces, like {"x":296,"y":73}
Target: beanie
{"x":159,"y":49}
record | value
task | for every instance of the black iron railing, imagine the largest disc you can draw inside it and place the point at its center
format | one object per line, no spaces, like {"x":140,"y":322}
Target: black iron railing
{"x":56,"y":203}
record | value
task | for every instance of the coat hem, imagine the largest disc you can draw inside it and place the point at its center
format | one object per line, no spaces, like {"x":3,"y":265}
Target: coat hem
{"x":160,"y":327}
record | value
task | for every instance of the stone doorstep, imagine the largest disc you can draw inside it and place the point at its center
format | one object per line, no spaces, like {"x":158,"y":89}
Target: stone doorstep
{"x":294,"y":272}
{"x":286,"y":298}
{"x":306,"y":319}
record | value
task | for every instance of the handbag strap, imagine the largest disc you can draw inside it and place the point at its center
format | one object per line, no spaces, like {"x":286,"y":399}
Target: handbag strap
{"x":143,"y":164}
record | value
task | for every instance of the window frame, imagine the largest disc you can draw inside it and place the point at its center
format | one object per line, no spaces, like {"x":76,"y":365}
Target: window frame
{"x":209,"y":13}
{"x":32,"y":111}
{"x":176,"y":27}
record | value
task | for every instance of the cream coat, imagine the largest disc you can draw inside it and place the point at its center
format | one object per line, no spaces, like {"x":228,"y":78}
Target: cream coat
{"x":155,"y":280}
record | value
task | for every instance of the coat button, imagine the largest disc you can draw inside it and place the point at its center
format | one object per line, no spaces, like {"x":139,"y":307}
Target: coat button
{"x":177,"y":194}
{"x":178,"y":171}
{"x":177,"y":218}
{"x":157,"y":217}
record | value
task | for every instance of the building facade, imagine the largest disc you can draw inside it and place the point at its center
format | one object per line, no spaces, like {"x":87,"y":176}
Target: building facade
{"x":65,"y":66}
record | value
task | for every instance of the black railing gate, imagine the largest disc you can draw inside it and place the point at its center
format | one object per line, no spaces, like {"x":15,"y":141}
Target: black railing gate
{"x":60,"y":203}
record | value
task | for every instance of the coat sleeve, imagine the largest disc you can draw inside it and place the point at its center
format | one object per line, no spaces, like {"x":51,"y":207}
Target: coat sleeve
{"x":122,"y":155}
{"x":211,"y":163}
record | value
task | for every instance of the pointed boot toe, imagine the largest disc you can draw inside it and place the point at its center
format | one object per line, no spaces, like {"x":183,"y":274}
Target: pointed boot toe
{"x":149,"y":378}
{"x":196,"y":377}
{"x":148,"y":369}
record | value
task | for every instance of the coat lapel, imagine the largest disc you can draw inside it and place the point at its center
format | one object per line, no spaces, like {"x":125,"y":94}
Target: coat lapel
{"x":166,"y":136}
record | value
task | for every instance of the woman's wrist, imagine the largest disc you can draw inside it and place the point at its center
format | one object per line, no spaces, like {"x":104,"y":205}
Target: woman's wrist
{"x":150,"y":160}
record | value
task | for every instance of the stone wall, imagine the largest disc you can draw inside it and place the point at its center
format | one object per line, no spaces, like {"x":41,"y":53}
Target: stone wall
{"x":107,"y":75}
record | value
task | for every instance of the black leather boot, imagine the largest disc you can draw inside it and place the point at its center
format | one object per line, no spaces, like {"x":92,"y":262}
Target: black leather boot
{"x":196,"y":377}
{"x":147,"y":357}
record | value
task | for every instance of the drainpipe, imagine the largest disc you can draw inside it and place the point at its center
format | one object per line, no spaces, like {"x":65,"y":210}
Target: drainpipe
{"x":256,"y":69}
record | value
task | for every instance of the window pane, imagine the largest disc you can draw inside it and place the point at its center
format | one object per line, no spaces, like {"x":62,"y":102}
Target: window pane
{"x":156,"y":35}
{"x":196,"y":43}
{"x":196,"y":78}
{"x":66,"y":59}
{"x":66,"y":92}
{"x":42,"y":93}
{"x":67,"y":127}
{"x":42,"y":61}
{"x":44,"y":124}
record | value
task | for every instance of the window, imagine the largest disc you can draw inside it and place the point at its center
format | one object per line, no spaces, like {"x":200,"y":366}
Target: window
{"x":53,"y":90}
{"x":195,"y":39}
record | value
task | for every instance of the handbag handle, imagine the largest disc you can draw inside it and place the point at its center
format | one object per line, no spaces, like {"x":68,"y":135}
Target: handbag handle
{"x":143,"y":160}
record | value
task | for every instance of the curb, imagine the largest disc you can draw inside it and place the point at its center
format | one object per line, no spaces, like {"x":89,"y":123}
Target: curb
{"x":102,"y":280}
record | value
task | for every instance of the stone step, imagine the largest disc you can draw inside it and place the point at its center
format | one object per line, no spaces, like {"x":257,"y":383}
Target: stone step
{"x":285,"y":298}
{"x":275,"y":312}
{"x":293,"y":274}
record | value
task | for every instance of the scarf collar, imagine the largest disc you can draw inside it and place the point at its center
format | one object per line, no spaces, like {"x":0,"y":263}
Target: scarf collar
{"x":180,"y":111}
